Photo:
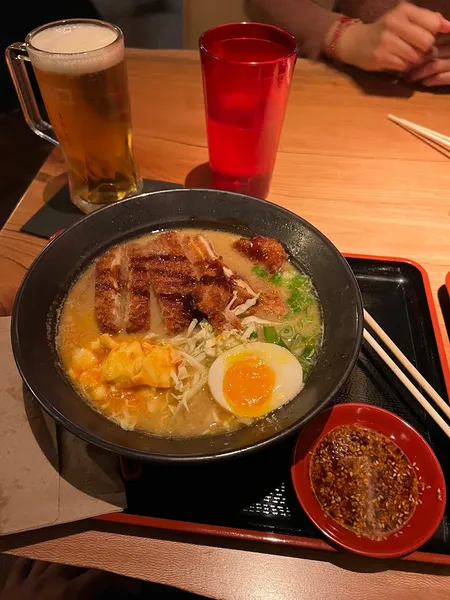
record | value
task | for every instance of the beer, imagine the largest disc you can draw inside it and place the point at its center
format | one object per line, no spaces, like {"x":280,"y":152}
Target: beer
{"x":80,"y":69}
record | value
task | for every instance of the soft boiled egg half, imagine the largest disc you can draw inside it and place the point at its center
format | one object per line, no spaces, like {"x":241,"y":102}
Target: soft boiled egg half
{"x":254,"y":379}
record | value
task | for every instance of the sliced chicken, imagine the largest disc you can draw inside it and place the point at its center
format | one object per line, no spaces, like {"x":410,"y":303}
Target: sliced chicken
{"x":107,"y":290}
{"x":264,"y":251}
{"x":172,"y":278}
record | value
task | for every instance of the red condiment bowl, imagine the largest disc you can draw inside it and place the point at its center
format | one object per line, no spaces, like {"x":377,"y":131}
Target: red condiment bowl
{"x":428,"y":513}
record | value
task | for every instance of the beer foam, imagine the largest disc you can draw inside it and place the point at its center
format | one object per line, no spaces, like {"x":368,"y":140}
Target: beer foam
{"x":75,"y":49}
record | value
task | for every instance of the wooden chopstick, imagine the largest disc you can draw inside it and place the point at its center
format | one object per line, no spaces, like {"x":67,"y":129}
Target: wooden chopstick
{"x":411,"y":369}
{"x":430,"y":134}
{"x":443,"y":405}
{"x":418,"y":128}
{"x":438,"y":147}
{"x":423,"y":132}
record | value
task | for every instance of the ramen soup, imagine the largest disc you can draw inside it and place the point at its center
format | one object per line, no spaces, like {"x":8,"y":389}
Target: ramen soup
{"x":190,"y":332}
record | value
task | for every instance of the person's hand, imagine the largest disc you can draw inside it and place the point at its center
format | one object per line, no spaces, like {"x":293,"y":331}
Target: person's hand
{"x":35,"y":580}
{"x":398,"y":40}
{"x":435,"y":68}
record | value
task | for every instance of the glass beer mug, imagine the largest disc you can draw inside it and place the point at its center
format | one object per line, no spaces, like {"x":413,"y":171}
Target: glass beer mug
{"x":80,"y":69}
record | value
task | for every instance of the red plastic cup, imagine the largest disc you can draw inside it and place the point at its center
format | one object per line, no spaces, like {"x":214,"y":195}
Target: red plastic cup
{"x":247,"y":73}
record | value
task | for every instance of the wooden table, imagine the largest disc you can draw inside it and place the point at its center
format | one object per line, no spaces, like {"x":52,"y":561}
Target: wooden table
{"x":372,"y":188}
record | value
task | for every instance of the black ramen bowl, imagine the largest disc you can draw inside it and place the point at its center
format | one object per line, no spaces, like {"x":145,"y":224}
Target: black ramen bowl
{"x":47,"y":282}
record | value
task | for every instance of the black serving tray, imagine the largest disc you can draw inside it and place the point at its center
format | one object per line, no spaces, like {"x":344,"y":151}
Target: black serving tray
{"x":253,"y":498}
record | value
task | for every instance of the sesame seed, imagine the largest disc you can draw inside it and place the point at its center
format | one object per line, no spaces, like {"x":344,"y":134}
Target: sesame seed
{"x":363,"y":481}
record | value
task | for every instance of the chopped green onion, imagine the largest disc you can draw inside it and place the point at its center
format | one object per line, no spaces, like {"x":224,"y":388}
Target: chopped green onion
{"x":287,"y":333}
{"x":257,"y":270}
{"x":300,"y":340}
{"x":253,"y":335}
{"x":308,"y":352}
{"x":299,"y":281}
{"x":272,"y":337}
{"x":276,"y":279}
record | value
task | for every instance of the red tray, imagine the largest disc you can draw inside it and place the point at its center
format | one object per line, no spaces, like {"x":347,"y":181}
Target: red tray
{"x":263,"y":508}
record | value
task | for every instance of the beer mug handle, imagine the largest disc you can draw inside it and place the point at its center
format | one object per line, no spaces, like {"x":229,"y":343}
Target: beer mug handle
{"x":16,"y":55}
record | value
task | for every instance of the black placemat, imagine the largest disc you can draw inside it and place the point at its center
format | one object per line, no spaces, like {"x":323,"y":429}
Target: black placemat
{"x":59,"y":212}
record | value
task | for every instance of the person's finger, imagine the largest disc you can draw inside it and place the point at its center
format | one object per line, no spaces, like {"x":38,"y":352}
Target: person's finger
{"x":445,"y":25}
{"x":66,"y":572}
{"x":20,"y":571}
{"x":425,"y":70}
{"x":38,"y":568}
{"x":93,"y":582}
{"x":442,"y":40}
{"x":400,"y":48}
{"x":413,"y":34}
{"x":434,"y":67}
{"x":437,"y":80}
{"x":395,"y":63}
{"x":432,"y":21}
{"x":433,"y":52}
{"x":443,"y":51}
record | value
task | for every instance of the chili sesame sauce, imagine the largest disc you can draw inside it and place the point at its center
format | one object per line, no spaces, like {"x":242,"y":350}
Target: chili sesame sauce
{"x":364,"y":481}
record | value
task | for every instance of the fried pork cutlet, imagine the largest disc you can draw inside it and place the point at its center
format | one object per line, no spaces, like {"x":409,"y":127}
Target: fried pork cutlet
{"x":137,"y":286}
{"x":107,"y":290}
{"x":262,"y":250}
{"x":240,"y":287}
{"x":203,"y":254}
{"x":270,"y":304}
{"x":218,"y":283}
{"x":172,"y":278}
{"x":213,"y":292}
{"x":185,"y":273}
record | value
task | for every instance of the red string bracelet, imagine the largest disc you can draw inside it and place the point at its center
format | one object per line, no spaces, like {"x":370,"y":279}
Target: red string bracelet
{"x":344,"y":22}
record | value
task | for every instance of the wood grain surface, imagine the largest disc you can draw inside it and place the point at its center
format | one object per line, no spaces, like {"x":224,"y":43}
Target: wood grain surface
{"x":235,"y":574}
{"x":371,"y":187}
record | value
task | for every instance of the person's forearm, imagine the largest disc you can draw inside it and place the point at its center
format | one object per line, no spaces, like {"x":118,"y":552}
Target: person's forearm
{"x":309,"y":22}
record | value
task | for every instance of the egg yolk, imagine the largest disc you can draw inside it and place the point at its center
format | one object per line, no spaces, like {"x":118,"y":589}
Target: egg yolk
{"x":248,"y":385}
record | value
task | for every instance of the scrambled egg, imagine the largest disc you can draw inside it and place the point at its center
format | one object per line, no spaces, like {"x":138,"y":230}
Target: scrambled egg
{"x":123,"y":365}
{"x":135,"y":363}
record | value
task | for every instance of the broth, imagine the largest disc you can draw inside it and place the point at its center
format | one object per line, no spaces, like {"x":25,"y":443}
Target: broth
{"x":156,"y":410}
